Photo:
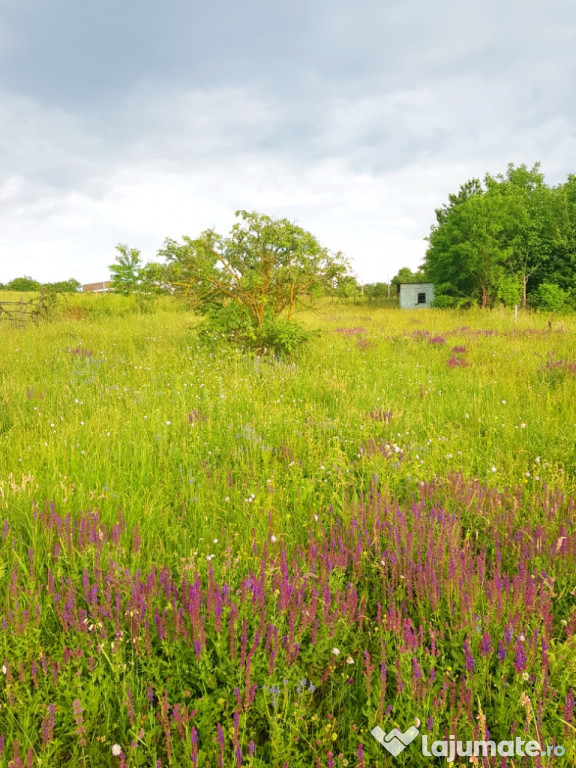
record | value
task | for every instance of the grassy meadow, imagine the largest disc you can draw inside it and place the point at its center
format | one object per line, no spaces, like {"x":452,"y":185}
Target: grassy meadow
{"x":212,"y":559}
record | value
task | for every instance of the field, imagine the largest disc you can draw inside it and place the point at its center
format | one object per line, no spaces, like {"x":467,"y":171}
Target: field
{"x":211,"y":559}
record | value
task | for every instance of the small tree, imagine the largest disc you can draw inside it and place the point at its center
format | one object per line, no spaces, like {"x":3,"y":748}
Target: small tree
{"x":405,"y":275}
{"x":125,"y":272}
{"x":347,"y":287}
{"x":375,"y":291}
{"x":130,"y":275}
{"x":23,"y":284}
{"x":266,"y":266}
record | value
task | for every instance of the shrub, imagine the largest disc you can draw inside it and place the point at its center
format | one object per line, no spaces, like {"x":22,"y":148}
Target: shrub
{"x":551,"y":298}
{"x":232,"y":323}
{"x":283,"y":336}
{"x":451,"y":302}
{"x":23,"y":284}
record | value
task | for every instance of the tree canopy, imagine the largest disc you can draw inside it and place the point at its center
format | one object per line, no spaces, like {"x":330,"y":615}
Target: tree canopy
{"x":26,"y":283}
{"x":64,"y":286}
{"x":23,"y":284}
{"x":130,"y":275}
{"x":501,"y":239}
{"x":265,"y":265}
{"x":406,"y":275}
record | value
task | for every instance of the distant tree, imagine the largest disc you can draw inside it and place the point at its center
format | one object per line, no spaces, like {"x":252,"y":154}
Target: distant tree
{"x":500,"y":240}
{"x":552,"y":298}
{"x":23,"y":284}
{"x":375,"y":291}
{"x":560,"y":267}
{"x":125,"y":272}
{"x":64,"y":286}
{"x":347,"y":287}
{"x":130,"y":275}
{"x":405,"y":275}
{"x":524,"y":207}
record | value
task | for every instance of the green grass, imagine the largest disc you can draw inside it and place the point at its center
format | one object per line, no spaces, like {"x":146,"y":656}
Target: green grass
{"x":114,"y":408}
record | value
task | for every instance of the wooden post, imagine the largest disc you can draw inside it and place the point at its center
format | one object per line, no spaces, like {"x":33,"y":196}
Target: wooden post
{"x":516,"y":313}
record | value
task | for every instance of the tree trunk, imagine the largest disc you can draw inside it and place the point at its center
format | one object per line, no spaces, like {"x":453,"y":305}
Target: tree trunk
{"x":524,"y":284}
{"x":292,"y":302}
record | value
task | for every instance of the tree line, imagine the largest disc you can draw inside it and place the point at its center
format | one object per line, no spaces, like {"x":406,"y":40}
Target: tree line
{"x":510,"y":239}
{"x":26,"y":283}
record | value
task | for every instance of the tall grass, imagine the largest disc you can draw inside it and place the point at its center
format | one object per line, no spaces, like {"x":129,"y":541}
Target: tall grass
{"x":213,"y":559}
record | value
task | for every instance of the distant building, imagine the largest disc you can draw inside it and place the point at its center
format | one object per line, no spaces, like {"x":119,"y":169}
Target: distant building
{"x":415,"y":295}
{"x":97,"y":287}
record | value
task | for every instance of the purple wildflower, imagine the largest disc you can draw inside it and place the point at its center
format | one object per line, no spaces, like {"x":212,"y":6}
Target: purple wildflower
{"x":520,"y":658}
{"x":468,"y":657}
{"x":485,"y":644}
{"x":194,"y":739}
{"x":457,"y":362}
{"x":416,"y":670}
{"x":569,"y":711}
{"x":48,"y":726}
{"x":79,"y":718}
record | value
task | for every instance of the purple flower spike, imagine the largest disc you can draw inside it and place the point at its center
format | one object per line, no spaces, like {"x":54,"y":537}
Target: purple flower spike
{"x":520,"y":658}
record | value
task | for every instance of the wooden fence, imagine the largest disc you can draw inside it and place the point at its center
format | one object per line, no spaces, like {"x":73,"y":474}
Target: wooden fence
{"x":18,"y":313}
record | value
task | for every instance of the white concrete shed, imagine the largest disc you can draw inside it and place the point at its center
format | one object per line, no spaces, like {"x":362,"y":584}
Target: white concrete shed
{"x":415,"y":295}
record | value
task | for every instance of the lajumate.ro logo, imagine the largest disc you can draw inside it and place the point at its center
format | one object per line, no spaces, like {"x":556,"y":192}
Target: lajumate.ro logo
{"x":395,"y":742}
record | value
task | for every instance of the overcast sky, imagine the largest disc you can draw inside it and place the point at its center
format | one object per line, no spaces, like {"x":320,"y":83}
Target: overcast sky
{"x":129,"y":122}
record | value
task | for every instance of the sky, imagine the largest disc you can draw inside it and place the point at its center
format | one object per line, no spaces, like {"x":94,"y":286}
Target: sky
{"x":132,"y":122}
